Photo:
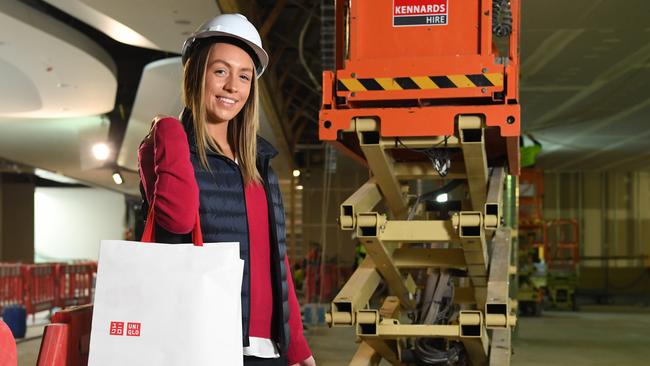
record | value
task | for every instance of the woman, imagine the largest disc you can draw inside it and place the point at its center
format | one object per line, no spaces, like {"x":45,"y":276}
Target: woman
{"x":214,"y":163}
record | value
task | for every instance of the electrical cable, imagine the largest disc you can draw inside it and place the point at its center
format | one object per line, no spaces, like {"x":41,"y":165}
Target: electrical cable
{"x":439,"y":157}
{"x":431,"y":351}
{"x":501,"y":18}
{"x":301,"y":52}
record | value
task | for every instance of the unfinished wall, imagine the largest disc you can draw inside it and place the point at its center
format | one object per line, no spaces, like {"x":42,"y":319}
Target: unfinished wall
{"x":345,"y":180}
{"x":613,"y":211}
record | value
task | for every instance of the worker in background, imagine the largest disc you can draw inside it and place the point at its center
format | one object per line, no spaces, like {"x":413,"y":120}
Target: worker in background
{"x":213,"y":159}
{"x":359,"y":255}
{"x":298,"y":276}
{"x":529,"y":153}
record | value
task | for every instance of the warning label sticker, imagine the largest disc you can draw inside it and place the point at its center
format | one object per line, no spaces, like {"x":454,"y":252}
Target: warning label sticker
{"x":420,"y":12}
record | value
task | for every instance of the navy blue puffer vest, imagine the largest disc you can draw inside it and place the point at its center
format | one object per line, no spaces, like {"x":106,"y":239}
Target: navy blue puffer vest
{"x":222,"y":209}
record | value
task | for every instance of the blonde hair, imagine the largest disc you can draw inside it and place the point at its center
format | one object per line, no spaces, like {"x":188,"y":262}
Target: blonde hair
{"x":242,"y":129}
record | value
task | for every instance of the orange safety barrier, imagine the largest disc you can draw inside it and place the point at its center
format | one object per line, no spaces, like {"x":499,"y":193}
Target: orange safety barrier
{"x":39,"y":287}
{"x":75,"y":283}
{"x":66,"y":342}
{"x":11,"y":284}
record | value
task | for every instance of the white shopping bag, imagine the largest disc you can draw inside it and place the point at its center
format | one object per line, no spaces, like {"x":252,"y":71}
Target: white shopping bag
{"x":167,"y":304}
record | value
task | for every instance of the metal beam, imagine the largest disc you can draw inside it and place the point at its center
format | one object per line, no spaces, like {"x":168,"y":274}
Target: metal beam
{"x":472,"y":236}
{"x":430,"y":231}
{"x":272,"y":18}
{"x":493,"y":209}
{"x":500,"y":347}
{"x":365,"y":356}
{"x":381,"y":164}
{"x":388,"y":349}
{"x":472,"y":138}
{"x":363,"y":200}
{"x":368,"y":227}
{"x":497,"y":307}
{"x":355,"y":294}
{"x":429,"y":257}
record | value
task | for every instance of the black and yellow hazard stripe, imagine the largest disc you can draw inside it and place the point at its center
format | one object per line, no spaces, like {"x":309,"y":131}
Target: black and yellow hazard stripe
{"x":420,"y":82}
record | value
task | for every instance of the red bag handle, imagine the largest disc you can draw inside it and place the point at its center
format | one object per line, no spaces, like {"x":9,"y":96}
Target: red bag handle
{"x":148,"y":233}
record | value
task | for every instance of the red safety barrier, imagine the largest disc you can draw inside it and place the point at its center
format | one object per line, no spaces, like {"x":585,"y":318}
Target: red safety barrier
{"x":39,"y":287}
{"x":329,"y":283}
{"x":11,"y":284}
{"x":323,"y":290}
{"x":66,"y":342}
{"x":75,"y":283}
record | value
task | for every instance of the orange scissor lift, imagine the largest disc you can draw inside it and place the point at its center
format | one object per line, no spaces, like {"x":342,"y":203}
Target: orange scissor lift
{"x":426,"y":94}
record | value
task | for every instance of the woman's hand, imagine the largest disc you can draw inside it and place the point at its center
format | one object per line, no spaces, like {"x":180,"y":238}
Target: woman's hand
{"x":306,"y":362}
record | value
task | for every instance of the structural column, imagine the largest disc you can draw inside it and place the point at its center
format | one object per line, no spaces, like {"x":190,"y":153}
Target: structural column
{"x":16,"y":218}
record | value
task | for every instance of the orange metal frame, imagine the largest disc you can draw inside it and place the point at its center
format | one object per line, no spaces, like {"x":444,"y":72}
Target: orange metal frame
{"x":370,"y":47}
{"x":564,"y":252}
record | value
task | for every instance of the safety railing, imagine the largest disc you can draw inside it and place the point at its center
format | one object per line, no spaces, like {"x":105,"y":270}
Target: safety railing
{"x":75,"y":283}
{"x":11,"y":284}
{"x":40,"y":287}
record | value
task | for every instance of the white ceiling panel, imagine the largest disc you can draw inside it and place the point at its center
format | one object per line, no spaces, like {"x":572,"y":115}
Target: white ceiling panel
{"x":159,"y":24}
{"x":159,"y":92}
{"x":49,"y":69}
{"x":585,"y":71}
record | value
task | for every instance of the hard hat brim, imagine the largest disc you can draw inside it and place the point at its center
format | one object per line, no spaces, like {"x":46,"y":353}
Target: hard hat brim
{"x":262,"y":56}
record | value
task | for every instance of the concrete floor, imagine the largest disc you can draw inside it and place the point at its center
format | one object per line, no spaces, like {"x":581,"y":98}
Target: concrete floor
{"x":595,"y":336}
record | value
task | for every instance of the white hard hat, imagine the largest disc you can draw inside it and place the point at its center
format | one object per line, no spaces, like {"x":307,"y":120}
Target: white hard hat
{"x":234,"y":26}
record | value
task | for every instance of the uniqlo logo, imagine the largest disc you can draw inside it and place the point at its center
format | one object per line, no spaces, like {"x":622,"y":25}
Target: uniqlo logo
{"x":133,"y":329}
{"x":117,"y":328}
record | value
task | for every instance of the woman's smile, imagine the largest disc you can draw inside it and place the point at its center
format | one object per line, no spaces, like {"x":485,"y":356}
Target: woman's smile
{"x":227,"y":102}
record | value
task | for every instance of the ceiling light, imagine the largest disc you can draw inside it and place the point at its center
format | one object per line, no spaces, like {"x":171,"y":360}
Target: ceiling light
{"x":299,"y":187}
{"x":296,"y":173}
{"x":442,"y":198}
{"x":117,"y":178}
{"x":101,"y":151}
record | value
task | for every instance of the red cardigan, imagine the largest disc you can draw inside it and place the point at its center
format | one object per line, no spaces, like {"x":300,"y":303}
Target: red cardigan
{"x":168,"y":179}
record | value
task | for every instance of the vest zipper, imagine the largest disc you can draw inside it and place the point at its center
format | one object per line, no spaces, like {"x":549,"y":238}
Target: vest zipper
{"x":248,"y":232}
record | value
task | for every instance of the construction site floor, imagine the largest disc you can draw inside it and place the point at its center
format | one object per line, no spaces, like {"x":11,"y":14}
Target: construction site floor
{"x":597,"y":335}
